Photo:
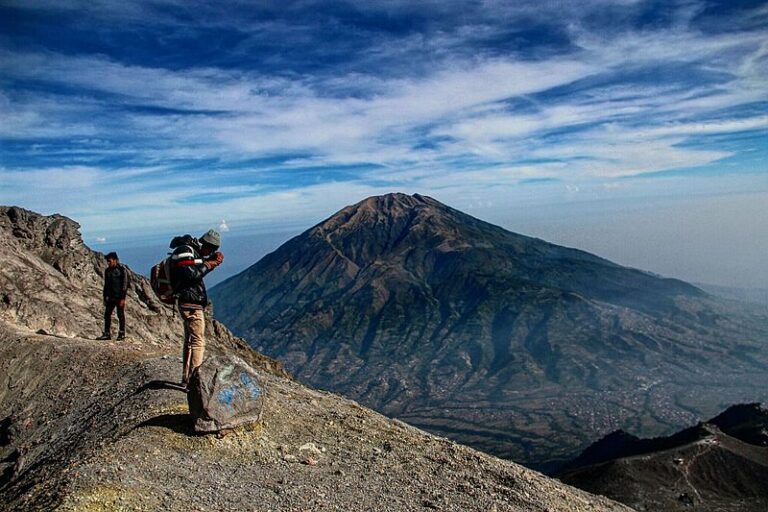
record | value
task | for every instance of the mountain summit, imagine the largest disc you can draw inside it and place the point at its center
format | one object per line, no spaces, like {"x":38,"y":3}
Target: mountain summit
{"x":518,"y":346}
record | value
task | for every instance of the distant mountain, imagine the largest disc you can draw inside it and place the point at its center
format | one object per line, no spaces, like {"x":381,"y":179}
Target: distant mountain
{"x":721,"y":464}
{"x":511,"y":344}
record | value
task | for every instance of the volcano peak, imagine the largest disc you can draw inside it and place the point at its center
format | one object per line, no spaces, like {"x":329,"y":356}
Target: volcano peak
{"x":413,"y":306}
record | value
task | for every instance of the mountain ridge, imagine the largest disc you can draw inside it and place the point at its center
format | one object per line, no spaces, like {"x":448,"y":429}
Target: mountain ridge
{"x":438,"y":318}
{"x":718,"y":464}
{"x":745,"y":422}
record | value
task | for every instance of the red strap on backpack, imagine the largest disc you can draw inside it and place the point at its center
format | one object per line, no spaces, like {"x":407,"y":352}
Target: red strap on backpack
{"x":185,"y":263}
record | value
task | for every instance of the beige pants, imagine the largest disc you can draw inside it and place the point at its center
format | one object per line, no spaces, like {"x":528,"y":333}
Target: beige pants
{"x":194,"y":341}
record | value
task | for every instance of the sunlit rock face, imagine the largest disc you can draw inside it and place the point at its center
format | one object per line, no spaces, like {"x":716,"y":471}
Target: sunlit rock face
{"x":51,"y":282}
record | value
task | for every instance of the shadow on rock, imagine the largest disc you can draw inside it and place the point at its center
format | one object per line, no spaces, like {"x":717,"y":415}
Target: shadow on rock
{"x":181,"y":423}
{"x":160,"y":384}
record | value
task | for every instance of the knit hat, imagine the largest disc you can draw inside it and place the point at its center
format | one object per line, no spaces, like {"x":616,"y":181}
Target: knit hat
{"x":212,"y":237}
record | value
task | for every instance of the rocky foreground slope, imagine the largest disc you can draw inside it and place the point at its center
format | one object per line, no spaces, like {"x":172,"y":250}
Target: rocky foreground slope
{"x":87,"y":425}
{"x":513,"y":345}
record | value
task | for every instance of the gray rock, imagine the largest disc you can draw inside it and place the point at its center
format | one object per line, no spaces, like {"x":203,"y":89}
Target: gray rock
{"x":224,"y":393}
{"x":311,"y":448}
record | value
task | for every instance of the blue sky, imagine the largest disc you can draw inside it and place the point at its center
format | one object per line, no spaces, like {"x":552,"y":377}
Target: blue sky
{"x":571,"y":121}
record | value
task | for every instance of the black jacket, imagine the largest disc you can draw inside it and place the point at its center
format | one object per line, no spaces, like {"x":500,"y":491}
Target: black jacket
{"x":187,"y":272}
{"x":115,"y":282}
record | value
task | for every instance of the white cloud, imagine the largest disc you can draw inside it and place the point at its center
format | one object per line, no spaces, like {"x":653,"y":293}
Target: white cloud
{"x":449,"y":127}
{"x":223,"y":226}
{"x":704,"y":128}
{"x":460,"y":102}
{"x":61,"y":180}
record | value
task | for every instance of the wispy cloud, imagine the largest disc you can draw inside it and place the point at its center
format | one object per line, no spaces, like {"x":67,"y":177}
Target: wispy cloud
{"x":268,"y":105}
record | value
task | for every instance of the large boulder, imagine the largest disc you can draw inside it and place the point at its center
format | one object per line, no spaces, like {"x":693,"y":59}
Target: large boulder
{"x":224,"y":393}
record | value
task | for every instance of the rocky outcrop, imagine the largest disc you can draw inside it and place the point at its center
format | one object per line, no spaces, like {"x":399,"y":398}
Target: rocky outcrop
{"x":511,"y":344}
{"x":87,"y":425}
{"x":51,"y":282}
{"x":224,"y":393}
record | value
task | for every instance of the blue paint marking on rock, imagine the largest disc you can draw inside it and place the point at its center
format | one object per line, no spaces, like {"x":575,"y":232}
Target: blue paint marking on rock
{"x":250,"y":385}
{"x":227,"y":397}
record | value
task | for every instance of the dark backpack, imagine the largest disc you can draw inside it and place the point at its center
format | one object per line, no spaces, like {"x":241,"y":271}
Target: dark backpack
{"x":183,"y":253}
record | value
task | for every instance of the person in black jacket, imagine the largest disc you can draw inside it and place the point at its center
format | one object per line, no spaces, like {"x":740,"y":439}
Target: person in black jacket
{"x":191,"y":262}
{"x":115,"y":291}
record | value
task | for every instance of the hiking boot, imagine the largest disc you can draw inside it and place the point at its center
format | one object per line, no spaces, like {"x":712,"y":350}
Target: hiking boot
{"x":121,"y":336}
{"x":104,"y":337}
